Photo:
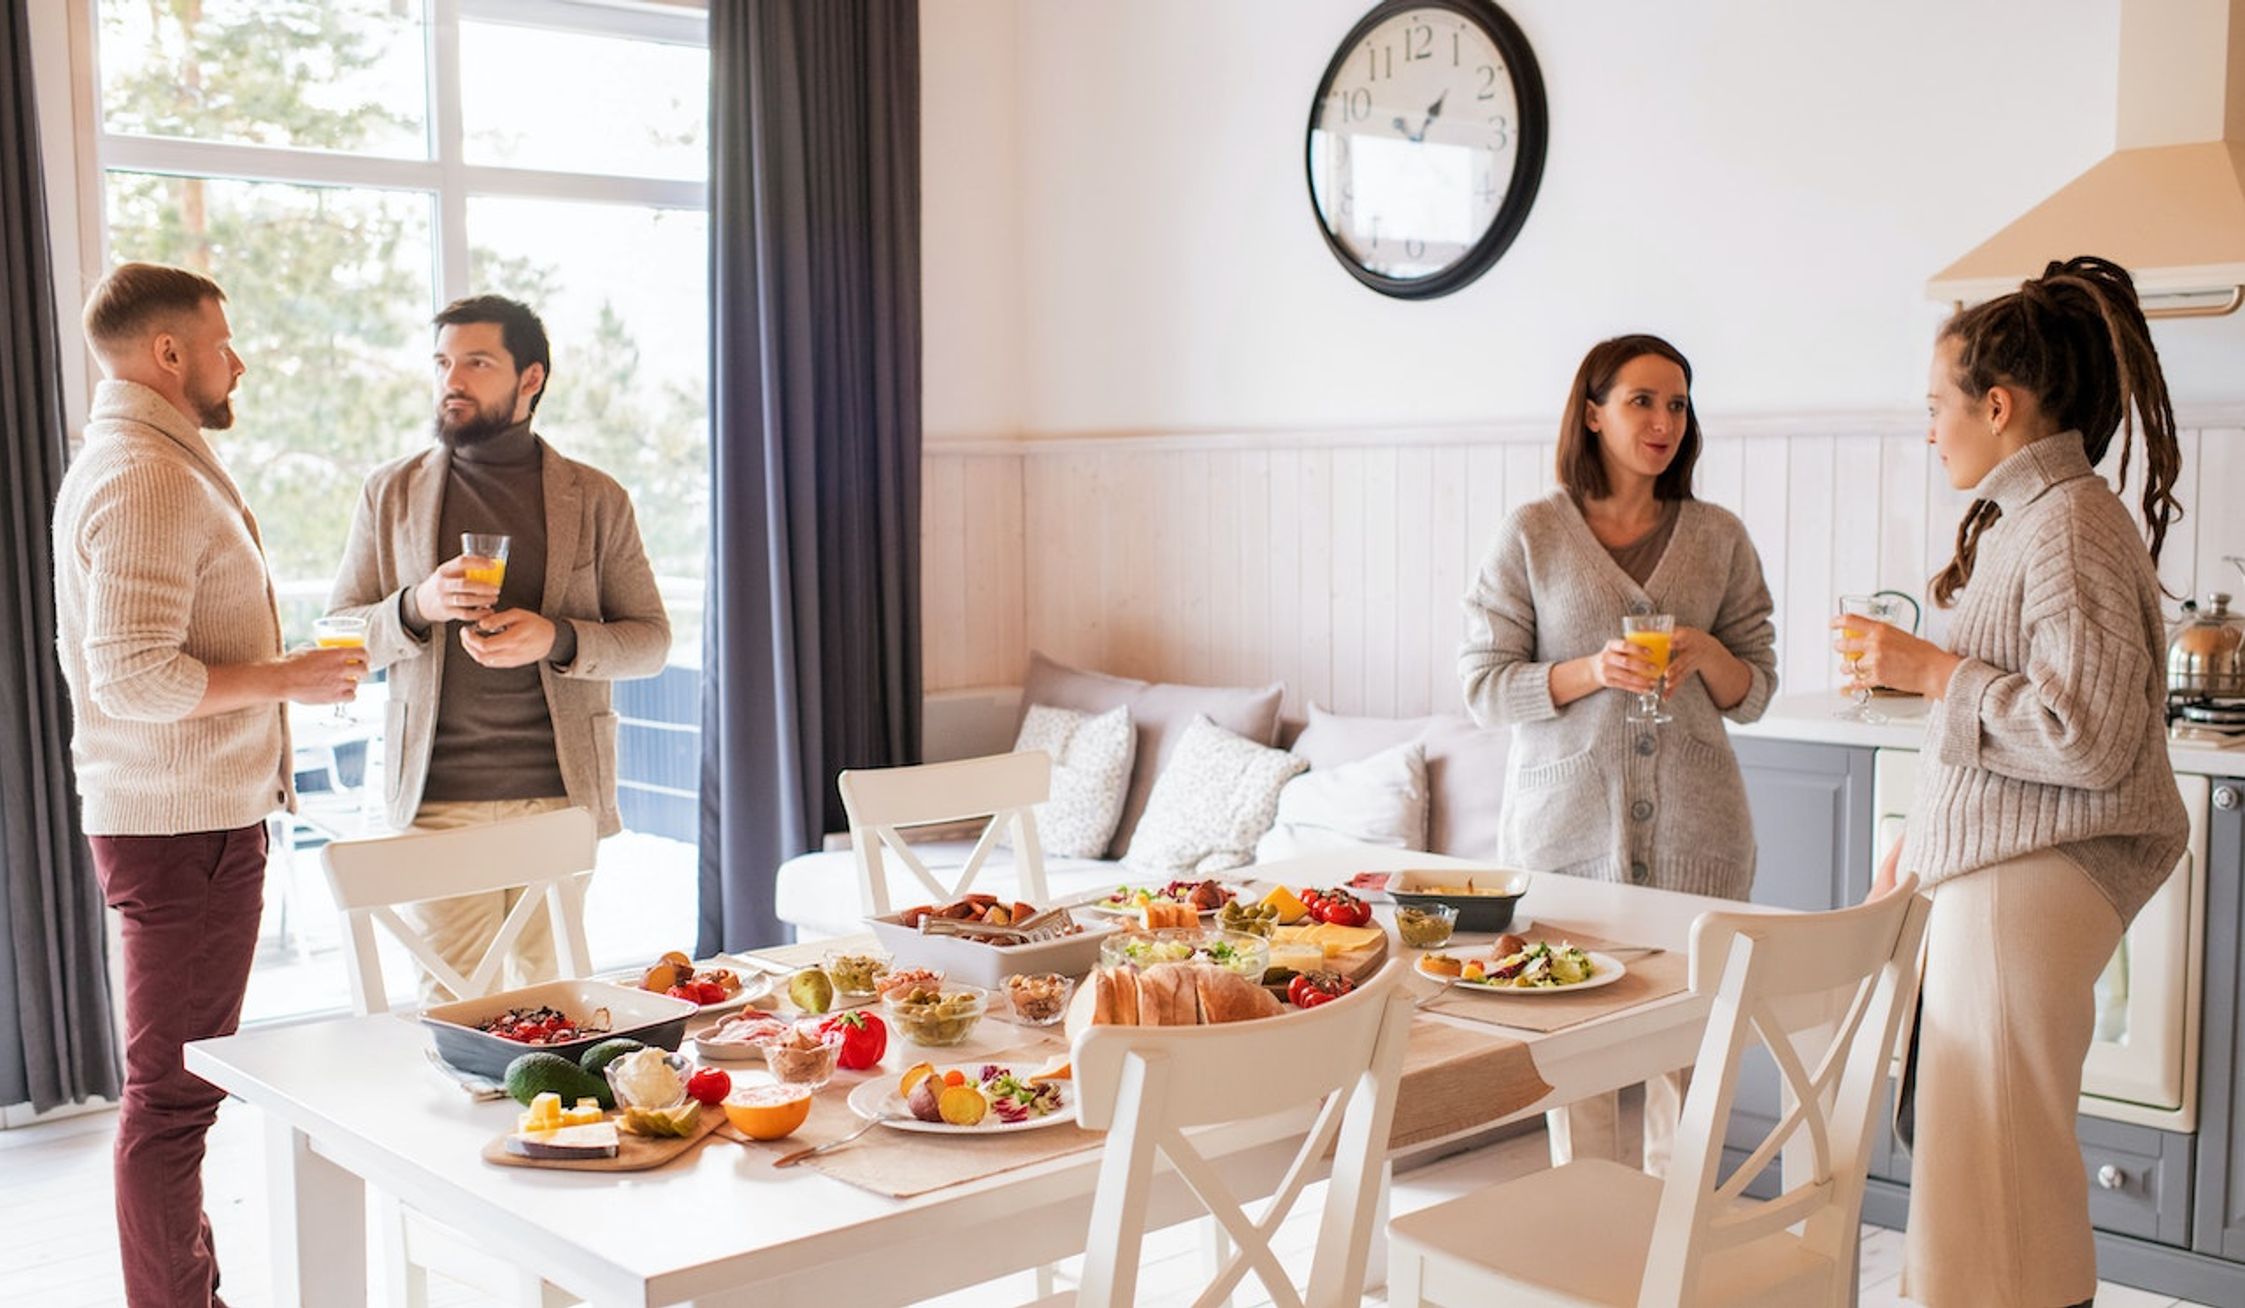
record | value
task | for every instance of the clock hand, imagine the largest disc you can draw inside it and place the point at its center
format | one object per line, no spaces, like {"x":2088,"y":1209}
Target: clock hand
{"x":1401,"y":130}
{"x":1434,"y":111}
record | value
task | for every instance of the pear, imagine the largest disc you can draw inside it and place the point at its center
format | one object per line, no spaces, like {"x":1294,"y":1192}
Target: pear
{"x":812,"y":990}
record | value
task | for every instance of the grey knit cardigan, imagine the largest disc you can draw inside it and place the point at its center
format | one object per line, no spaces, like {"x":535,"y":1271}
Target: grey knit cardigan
{"x":1590,"y":794}
{"x":2052,"y":733}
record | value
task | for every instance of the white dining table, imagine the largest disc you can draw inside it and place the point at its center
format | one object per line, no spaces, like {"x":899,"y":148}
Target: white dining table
{"x":352,"y":1102}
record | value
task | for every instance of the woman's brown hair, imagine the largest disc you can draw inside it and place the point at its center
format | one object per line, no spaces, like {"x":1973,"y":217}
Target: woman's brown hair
{"x":1582,"y":461}
{"x":2074,"y":338}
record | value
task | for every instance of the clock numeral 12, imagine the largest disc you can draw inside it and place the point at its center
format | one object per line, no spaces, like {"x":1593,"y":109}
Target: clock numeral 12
{"x":1413,"y":49}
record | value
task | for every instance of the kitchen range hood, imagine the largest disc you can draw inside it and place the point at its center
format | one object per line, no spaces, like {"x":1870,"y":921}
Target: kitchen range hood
{"x":2169,"y":202}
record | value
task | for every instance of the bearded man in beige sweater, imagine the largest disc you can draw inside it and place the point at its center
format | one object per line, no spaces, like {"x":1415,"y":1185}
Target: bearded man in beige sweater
{"x":171,"y":647}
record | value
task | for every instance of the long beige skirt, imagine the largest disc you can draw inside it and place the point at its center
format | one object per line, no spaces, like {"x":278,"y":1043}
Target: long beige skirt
{"x":1999,"y":1200}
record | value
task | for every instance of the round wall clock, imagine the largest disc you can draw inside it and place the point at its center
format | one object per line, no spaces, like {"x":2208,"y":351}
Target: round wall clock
{"x":1426,"y":143}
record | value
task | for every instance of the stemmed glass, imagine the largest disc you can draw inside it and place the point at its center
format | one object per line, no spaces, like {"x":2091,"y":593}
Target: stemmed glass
{"x":1651,"y":634}
{"x":340,"y":631}
{"x":1878,"y":608}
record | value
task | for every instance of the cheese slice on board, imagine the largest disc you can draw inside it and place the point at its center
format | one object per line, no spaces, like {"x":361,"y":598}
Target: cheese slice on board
{"x":589,"y":1141}
{"x":1330,"y":938}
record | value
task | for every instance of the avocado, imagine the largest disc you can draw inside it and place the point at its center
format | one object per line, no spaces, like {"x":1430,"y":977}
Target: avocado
{"x":596,"y":1059}
{"x":534,"y":1073}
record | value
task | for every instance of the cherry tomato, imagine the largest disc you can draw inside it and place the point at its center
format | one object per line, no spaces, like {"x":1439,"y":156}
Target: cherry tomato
{"x":1313,"y":988}
{"x":710,"y":1085}
{"x":709,"y":992}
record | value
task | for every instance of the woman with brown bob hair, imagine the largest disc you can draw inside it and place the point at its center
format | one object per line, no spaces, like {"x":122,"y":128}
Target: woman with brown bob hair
{"x":2046,"y":809}
{"x":1591,"y":793}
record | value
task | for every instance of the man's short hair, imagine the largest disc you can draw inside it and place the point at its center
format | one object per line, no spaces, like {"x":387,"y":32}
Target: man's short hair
{"x":135,"y":296}
{"x":524,"y":335}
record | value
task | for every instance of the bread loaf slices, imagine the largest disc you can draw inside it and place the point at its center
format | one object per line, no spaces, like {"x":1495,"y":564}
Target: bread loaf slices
{"x":1226,"y":996}
{"x":1175,"y":994}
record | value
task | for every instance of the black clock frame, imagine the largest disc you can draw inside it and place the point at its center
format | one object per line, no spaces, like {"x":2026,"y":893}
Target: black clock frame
{"x":1527,"y":162}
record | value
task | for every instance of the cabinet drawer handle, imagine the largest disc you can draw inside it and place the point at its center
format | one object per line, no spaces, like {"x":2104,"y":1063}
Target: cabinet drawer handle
{"x":2110,"y":1177}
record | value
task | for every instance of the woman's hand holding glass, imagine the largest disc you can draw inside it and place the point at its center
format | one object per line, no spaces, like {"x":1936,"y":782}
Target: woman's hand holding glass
{"x":1886,"y":655}
{"x":1624,"y":667}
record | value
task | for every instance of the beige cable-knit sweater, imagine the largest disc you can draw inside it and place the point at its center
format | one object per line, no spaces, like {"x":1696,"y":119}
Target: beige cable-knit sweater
{"x":2052,"y":734}
{"x":159,"y":576}
{"x":1590,"y":794}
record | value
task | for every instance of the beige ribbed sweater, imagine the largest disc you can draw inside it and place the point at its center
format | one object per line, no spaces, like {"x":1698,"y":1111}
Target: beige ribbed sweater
{"x":2052,"y":733}
{"x":159,"y":576}
{"x":1588,"y":793}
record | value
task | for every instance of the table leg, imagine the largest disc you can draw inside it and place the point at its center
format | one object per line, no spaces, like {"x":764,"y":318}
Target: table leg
{"x":318,"y":1223}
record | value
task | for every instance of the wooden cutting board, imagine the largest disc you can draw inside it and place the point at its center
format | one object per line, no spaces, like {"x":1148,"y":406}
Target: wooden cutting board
{"x":1355,"y":964}
{"x":633,"y":1153}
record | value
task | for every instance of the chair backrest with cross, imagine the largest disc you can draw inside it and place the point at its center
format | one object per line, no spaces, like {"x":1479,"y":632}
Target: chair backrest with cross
{"x":542,"y":854}
{"x":1778,"y":979}
{"x":1148,"y":1086}
{"x":1006,"y":788}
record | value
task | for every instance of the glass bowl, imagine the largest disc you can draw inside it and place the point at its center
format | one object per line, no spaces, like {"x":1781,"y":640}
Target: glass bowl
{"x":635,"y":1087}
{"x":1040,"y":999}
{"x":935,"y":1016}
{"x":1426,"y":926}
{"x":1248,"y":955}
{"x":857,"y":972}
{"x":792,"y":1062}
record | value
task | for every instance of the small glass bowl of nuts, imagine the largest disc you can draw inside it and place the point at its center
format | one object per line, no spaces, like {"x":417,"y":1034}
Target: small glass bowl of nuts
{"x":857,"y":972}
{"x":935,"y":1015}
{"x":1040,"y":999}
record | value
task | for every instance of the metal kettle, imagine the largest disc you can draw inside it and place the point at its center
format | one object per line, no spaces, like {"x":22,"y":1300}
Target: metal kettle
{"x":2206,"y":649}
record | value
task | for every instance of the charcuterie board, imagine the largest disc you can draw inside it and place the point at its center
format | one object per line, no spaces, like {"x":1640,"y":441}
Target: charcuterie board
{"x":1357,"y":963}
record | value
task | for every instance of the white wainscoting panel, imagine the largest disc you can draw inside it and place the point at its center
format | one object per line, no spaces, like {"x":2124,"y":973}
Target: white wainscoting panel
{"x":1337,"y":565}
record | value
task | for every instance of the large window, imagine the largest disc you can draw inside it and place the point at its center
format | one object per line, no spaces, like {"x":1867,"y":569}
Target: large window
{"x":345,"y":167}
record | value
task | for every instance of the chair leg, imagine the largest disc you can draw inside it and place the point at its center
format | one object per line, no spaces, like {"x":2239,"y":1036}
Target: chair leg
{"x":1404,"y":1275}
{"x":407,"y":1281}
{"x":1047,"y":1287}
{"x":1216,"y":1250}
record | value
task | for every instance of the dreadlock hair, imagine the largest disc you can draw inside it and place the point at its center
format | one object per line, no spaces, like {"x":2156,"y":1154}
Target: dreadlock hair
{"x":2074,"y":338}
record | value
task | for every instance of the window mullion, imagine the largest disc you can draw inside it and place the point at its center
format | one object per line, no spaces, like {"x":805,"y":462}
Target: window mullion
{"x":453,"y":272}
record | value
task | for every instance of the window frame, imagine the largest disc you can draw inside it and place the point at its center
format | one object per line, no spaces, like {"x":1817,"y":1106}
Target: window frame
{"x":80,"y":151}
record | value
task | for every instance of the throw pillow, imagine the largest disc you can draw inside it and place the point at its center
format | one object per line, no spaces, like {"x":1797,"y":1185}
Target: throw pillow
{"x":1159,"y":714}
{"x":1090,"y":773}
{"x":1465,"y":769}
{"x":1381,"y":800}
{"x":1210,"y":805}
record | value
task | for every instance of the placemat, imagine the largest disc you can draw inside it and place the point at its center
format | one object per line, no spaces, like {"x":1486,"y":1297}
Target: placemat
{"x":1651,"y":977}
{"x":905,"y":1163}
{"x":634,"y":1153}
{"x":1456,"y":1079}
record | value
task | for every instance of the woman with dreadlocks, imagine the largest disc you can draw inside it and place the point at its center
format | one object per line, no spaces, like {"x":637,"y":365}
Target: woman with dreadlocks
{"x":2046,"y":812}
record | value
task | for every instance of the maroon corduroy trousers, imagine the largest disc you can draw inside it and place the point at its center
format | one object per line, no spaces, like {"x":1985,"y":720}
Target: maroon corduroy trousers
{"x":190,"y":906}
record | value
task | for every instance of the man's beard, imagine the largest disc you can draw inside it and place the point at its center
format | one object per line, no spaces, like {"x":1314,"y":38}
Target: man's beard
{"x":479,"y":426}
{"x":215,"y":414}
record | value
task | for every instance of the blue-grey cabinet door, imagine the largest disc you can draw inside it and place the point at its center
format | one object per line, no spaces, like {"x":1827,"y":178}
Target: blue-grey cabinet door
{"x":1811,"y":806}
{"x":2218,"y":1211}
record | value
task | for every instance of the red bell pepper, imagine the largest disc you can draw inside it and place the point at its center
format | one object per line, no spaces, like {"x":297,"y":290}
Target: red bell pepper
{"x":1310,"y":989}
{"x":864,"y":1039}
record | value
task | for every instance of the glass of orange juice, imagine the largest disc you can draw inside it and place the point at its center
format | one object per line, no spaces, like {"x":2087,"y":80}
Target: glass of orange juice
{"x":341,"y":631}
{"x":483,"y":555}
{"x":1878,"y":608}
{"x":1651,"y":634}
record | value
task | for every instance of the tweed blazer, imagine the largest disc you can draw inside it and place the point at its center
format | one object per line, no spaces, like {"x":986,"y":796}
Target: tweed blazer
{"x":1589,"y":793}
{"x":597,"y":577}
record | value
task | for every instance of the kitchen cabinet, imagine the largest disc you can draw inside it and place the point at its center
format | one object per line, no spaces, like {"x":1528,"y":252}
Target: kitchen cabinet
{"x":1811,"y":806}
{"x":2219,"y":1207}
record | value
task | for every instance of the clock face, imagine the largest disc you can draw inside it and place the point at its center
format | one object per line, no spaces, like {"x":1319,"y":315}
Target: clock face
{"x":1426,"y":144}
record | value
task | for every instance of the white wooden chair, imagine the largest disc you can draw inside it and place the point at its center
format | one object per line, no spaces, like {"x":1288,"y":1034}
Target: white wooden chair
{"x":545,"y":852}
{"x":1148,"y":1086}
{"x":1005,"y":788}
{"x":1594,"y":1232}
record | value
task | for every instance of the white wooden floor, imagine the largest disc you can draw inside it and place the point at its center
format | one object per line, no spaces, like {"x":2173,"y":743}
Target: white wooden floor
{"x":58,"y":1243}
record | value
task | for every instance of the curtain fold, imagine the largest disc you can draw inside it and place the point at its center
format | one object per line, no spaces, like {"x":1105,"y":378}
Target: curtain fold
{"x":54,"y":983}
{"x":811,"y":644}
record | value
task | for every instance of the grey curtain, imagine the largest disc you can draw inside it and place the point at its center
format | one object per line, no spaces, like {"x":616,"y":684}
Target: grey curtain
{"x":811,"y":659}
{"x":54,"y":986}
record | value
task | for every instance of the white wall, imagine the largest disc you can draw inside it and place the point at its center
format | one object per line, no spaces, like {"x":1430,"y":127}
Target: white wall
{"x":970,"y":212}
{"x":1768,"y":183}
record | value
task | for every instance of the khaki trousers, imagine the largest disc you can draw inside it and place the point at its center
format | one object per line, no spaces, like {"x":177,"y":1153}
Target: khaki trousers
{"x":1999,"y":1200}
{"x":1591,"y":1128}
{"x":461,"y":929}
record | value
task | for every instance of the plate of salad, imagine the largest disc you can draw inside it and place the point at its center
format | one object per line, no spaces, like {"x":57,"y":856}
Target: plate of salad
{"x":968,"y":1099}
{"x":1541,"y":968}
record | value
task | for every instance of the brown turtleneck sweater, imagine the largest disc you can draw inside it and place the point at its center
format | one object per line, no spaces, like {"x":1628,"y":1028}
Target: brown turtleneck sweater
{"x":494,"y":731}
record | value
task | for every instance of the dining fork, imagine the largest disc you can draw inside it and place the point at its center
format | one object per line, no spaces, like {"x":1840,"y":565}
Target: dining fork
{"x":790,"y":1160}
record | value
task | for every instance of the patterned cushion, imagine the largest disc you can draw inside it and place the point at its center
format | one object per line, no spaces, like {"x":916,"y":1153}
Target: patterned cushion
{"x":1212,"y":802}
{"x":1090,"y":774}
{"x":1159,"y":712}
{"x":1381,"y":800}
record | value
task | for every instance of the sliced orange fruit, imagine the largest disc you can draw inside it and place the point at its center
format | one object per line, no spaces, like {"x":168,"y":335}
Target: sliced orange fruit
{"x":767,"y":1112}
{"x":962,"y":1105}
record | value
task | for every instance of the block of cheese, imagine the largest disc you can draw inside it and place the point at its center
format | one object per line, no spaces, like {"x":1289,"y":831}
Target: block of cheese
{"x":1329,"y":939}
{"x":1298,"y":956}
{"x":596,"y":1140}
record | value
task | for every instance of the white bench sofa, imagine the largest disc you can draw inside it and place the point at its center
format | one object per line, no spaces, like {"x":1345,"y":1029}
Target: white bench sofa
{"x":817,"y":893}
